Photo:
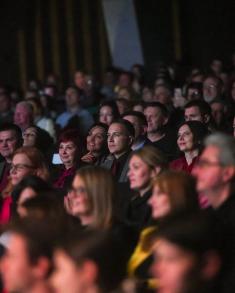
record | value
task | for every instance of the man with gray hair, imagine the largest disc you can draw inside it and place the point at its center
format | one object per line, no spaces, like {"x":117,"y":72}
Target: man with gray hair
{"x":23,"y":116}
{"x":215,"y":175}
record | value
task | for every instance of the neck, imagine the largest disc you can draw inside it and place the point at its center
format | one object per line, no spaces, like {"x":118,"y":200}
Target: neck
{"x":117,"y":156}
{"x":155,"y":136}
{"x":86,"y":220}
{"x":144,"y":190}
{"x":218,"y":195}
{"x":190,"y":155}
{"x":39,"y":287}
{"x":68,"y":165}
{"x":73,"y":109}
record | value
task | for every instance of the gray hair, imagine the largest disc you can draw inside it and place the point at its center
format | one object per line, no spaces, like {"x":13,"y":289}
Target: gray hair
{"x":26,"y":105}
{"x":226,"y":145}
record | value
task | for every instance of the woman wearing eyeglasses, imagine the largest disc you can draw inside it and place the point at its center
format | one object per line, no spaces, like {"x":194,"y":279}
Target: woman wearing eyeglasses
{"x":26,"y":161}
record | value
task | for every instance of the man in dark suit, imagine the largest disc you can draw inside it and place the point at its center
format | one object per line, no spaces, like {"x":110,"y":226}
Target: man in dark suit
{"x":10,"y":140}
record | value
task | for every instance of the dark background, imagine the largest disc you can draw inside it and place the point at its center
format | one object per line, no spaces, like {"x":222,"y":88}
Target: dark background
{"x":206,"y":30}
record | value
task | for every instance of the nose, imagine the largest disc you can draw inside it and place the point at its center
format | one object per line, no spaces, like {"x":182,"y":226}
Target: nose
{"x":110,"y":138}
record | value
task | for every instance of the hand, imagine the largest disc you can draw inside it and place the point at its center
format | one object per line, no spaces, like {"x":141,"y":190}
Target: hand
{"x":88,"y":158}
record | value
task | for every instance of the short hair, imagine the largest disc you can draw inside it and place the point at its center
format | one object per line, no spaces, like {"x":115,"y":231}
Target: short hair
{"x":15,"y":128}
{"x":196,"y":232}
{"x":158,"y":105}
{"x":104,"y":249}
{"x":101,"y":199}
{"x":127,"y":125}
{"x":180,"y":188}
{"x":26,"y":105}
{"x":38,"y":235}
{"x":226,"y":145}
{"x":203,"y":106}
{"x":152,"y":157}
{"x":36,"y":158}
{"x":140,"y":116}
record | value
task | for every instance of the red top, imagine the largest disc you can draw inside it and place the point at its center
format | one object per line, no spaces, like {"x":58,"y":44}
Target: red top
{"x":5,"y":212}
{"x":182,"y":165}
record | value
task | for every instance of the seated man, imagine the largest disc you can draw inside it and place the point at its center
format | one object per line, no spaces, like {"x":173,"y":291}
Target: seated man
{"x":121,"y":134}
{"x":74,"y":110}
{"x":10,"y":140}
{"x":26,"y":264}
{"x":138,"y":120}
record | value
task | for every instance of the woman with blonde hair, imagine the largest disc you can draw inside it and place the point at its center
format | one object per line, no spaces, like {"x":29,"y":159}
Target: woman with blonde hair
{"x":26,"y":161}
{"x":145,"y":164}
{"x":91,"y":197}
{"x":172,"y":192}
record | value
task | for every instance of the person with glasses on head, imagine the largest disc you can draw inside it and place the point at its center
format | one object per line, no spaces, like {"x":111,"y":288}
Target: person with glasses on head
{"x":215,"y":175}
{"x":26,"y":161}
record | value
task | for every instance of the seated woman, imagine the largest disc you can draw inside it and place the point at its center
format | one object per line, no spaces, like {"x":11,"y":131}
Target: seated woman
{"x":92,"y":199}
{"x":39,"y":138}
{"x":28,"y":187}
{"x":144,"y":165}
{"x":190,"y":139}
{"x":108,"y":112}
{"x":26,"y":161}
{"x":96,"y":144}
{"x":172,"y":192}
{"x":69,"y":152}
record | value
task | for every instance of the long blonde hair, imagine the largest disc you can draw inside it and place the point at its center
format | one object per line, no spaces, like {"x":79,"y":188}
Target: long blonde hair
{"x":100,"y":188}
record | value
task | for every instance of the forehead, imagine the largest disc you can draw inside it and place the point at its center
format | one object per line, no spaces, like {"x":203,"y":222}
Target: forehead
{"x":67,"y":143}
{"x":192,"y":110}
{"x":17,"y":243}
{"x":7,"y":134}
{"x":78,"y":181}
{"x":106,"y":109}
{"x":217,"y":106}
{"x":184,"y":128}
{"x":152,"y":110}
{"x":211,"y":152}
{"x":116,"y":127}
{"x":210,"y":80}
{"x":22,"y":108}
{"x":30,"y":130}
{"x":97,"y":130}
{"x":132,"y":119}
{"x":20,"y":158}
{"x":71,"y":91}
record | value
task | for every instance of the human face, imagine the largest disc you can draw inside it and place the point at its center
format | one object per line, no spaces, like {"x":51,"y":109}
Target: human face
{"x":159,"y":203}
{"x":17,"y":272}
{"x":78,"y":198}
{"x":21,"y":167}
{"x":185,"y":139}
{"x":118,"y":139}
{"x":155,"y":119}
{"x":26,"y":193}
{"x":8,"y":143}
{"x":96,"y":139}
{"x":136,"y":123}
{"x":106,"y":115}
{"x":193,"y":114}
{"x":67,"y":153}
{"x":217,"y":110}
{"x":29,"y":136}
{"x":208,"y":171}
{"x":171,"y":267}
{"x":210,"y":89}
{"x":66,"y":276}
{"x":71,"y":97}
{"x":162,"y":95}
{"x":139,"y":174}
{"x":22,"y":116}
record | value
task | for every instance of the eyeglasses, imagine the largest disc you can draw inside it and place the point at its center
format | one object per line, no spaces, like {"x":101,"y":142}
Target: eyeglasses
{"x":20,"y":167}
{"x":78,"y":191}
{"x":205,"y":164}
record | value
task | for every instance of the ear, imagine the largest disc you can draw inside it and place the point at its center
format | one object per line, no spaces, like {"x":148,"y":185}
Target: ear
{"x":131,"y":139}
{"x":165,"y":120}
{"x":211,"y":265}
{"x":206,"y":118}
{"x":155,"y":171}
{"x":90,"y":272}
{"x":41,"y":268}
{"x":228,"y":173}
{"x":144,"y":129}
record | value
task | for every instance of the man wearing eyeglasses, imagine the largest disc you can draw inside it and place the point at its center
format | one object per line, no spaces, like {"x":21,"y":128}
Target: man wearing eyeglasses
{"x":10,"y":140}
{"x":215,"y":175}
